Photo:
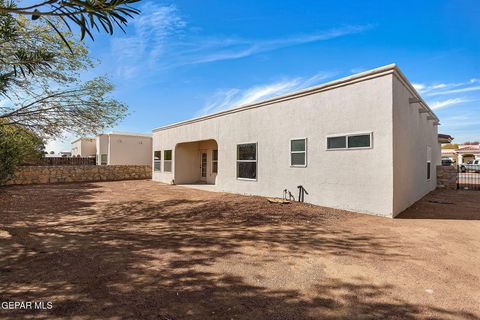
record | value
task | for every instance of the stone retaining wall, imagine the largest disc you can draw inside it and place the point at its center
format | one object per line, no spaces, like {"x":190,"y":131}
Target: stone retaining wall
{"x":447,"y":177}
{"x":57,"y":174}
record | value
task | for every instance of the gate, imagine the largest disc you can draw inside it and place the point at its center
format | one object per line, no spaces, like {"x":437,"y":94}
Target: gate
{"x":468,"y":177}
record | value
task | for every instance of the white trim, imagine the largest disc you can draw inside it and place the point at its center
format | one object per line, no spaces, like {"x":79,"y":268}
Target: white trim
{"x":305,"y":151}
{"x":159,"y":161}
{"x":214,"y":161}
{"x":171,"y":161}
{"x":346,"y":135}
{"x":237,"y":161}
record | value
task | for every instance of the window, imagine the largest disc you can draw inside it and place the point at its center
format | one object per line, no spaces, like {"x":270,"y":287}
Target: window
{"x":167,"y":161}
{"x":214,"y":161}
{"x":336,"y":142}
{"x":350,"y":141}
{"x":157,"y":158}
{"x":298,"y":152}
{"x":103,"y":159}
{"x":247,"y":161}
{"x":429,"y":162}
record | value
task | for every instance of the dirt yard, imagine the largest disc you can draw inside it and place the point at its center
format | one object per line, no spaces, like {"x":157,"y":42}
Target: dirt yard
{"x":143,"y":250}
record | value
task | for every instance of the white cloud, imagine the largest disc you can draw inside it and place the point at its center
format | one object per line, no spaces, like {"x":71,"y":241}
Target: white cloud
{"x":217,"y":49}
{"x":447,"y":103}
{"x":159,"y":39}
{"x":148,"y":40}
{"x":419,"y":86}
{"x":454,"y":91}
{"x":225,"y":99}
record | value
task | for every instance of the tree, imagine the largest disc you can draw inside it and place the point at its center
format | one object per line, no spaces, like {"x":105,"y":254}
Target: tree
{"x":54,"y":99}
{"x":53,"y":14}
{"x":450,"y":146}
{"x":17,"y":146}
{"x":86,"y":14}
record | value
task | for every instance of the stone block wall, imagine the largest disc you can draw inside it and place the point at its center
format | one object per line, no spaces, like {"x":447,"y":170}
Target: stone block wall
{"x":447,"y":177}
{"x":80,"y":173}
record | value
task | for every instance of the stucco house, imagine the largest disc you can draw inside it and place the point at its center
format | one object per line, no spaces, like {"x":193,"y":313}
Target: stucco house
{"x":366,"y":143}
{"x":123,"y":148}
{"x":84,"y":147}
{"x":463,"y":154}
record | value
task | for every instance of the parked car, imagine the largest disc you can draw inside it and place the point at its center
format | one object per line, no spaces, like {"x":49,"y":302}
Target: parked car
{"x":447,"y":162}
{"x":472,"y":165}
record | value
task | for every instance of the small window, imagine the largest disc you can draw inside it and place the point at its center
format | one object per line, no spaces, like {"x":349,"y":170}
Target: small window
{"x":247,"y":161}
{"x":298,"y":152}
{"x":157,"y":158}
{"x":167,"y":162}
{"x":215,"y":161}
{"x":336,"y":142}
{"x":350,"y":141}
{"x":103,"y":159}
{"x":360,"y":141}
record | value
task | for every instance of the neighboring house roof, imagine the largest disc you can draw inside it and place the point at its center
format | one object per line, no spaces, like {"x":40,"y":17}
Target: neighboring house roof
{"x":145,"y":135}
{"x":374,"y":73}
{"x":444,"y":138}
{"x":469,"y":148}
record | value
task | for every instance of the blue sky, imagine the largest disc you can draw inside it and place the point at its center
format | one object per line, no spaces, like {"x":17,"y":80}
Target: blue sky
{"x":181,"y":59}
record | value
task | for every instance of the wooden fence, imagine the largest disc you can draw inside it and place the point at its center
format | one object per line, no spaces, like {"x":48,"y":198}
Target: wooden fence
{"x":63,"y":161}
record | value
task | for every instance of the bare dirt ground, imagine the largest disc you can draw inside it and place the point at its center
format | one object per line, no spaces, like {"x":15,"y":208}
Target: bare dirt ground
{"x":144,"y":250}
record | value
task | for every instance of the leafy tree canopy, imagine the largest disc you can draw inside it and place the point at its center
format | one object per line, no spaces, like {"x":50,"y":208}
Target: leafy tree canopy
{"x":17,"y":146}
{"x":52,"y":99}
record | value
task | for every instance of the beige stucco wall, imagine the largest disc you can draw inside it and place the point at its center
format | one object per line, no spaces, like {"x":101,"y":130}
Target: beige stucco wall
{"x":357,"y":180}
{"x":84,"y":147}
{"x":102,"y":146}
{"x":125,"y":149}
{"x":412,"y":133}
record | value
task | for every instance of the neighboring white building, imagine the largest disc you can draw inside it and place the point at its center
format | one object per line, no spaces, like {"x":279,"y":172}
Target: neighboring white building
{"x":366,"y":143}
{"x":122,"y":148}
{"x":84,"y":147}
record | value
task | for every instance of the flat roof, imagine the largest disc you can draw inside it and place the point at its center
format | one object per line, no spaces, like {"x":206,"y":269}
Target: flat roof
{"x":370,"y":74}
{"x":117,"y":133}
{"x":82,"y":138}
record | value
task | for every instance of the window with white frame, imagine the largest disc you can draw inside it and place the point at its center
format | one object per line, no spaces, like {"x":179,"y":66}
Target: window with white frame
{"x":298,"y":152}
{"x":167,"y":161}
{"x":429,"y":162}
{"x":103,"y":159}
{"x":157,"y":158}
{"x":247,"y":161}
{"x":215,"y":161}
{"x":350,"y":141}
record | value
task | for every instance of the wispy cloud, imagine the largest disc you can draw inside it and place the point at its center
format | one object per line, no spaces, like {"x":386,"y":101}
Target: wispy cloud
{"x":454,"y":91}
{"x":149,"y":38}
{"x":218,"y":49}
{"x":440,"y":88}
{"x":160,"y":38}
{"x":447,"y":103}
{"x":227,"y":98}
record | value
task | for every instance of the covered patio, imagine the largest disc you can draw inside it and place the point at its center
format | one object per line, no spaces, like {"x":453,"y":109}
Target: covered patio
{"x":196,"y":162}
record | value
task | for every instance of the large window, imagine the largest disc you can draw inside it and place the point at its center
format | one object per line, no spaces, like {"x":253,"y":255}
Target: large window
{"x":429,"y":162}
{"x":157,"y":158}
{"x":298,"y":152}
{"x":167,"y":161}
{"x":350,"y":141}
{"x":215,"y":161}
{"x":247,"y":161}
